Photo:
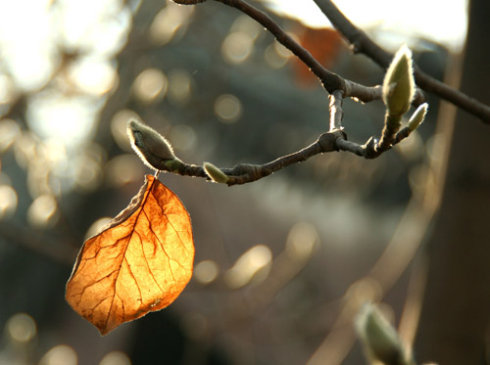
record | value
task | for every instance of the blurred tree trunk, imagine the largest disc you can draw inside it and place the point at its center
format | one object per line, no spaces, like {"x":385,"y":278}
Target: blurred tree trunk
{"x":455,"y":316}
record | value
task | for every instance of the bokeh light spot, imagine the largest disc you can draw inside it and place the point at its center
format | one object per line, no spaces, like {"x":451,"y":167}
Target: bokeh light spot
{"x":183,"y":137}
{"x":97,"y":227}
{"x":206,"y":271}
{"x":53,"y":151}
{"x":180,"y":85}
{"x":168,"y":21}
{"x":60,"y":355}
{"x":119,"y":126}
{"x":276,"y":55}
{"x":7,"y":89}
{"x":150,"y":85}
{"x":237,"y":47}
{"x":70,"y":119}
{"x":94,"y":76}
{"x":9,"y":131}
{"x":228,"y":108}
{"x":8,"y":201}
{"x":115,"y":358}
{"x":123,"y":169}
{"x":87,"y":173}
{"x":21,"y":327}
{"x":282,"y":50}
{"x":249,"y":264}
{"x":42,"y":213}
{"x":302,"y":240}
{"x":247,"y":25}
{"x":25,"y":149}
{"x":363,"y":290}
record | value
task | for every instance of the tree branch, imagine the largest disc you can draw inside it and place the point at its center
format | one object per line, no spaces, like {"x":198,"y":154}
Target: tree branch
{"x":330,"y":80}
{"x":245,"y":173}
{"x":333,"y":140}
{"x":336,"y":112}
{"x":361,"y":43}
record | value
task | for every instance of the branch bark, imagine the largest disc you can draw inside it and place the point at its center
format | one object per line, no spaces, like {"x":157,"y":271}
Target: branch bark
{"x":330,"y":80}
{"x":337,"y":87}
{"x":361,"y":43}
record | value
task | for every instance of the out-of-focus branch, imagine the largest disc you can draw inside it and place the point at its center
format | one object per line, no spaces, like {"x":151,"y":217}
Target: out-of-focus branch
{"x":361,"y":43}
{"x":38,"y":241}
{"x":383,"y":275}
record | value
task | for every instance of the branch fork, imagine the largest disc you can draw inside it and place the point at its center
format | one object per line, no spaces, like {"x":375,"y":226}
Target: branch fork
{"x":398,"y":93}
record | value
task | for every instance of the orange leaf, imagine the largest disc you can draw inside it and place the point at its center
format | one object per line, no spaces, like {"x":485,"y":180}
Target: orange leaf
{"x":324,"y":45}
{"x":140,"y":262}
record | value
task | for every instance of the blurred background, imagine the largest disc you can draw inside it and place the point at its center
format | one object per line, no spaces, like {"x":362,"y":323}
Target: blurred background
{"x":283,"y":264}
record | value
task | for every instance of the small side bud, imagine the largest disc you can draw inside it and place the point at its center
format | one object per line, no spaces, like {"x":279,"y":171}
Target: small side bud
{"x":399,"y":84}
{"x":153,"y":149}
{"x":417,"y":117}
{"x":215,"y":173}
{"x":379,"y":337}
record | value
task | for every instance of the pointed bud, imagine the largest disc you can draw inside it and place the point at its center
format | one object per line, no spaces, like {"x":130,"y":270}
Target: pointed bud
{"x":379,"y":337}
{"x":153,"y":149}
{"x":417,"y":117}
{"x":399,"y":84}
{"x":215,"y":173}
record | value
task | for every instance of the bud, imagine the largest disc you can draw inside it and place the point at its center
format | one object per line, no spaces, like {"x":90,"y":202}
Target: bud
{"x":399,"y":84}
{"x":417,"y":117}
{"x":379,"y":337}
{"x":153,"y":149}
{"x":215,"y":173}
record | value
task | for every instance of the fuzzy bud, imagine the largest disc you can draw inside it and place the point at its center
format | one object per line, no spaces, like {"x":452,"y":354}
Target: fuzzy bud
{"x":215,"y":173}
{"x":399,"y":84}
{"x":379,"y":337}
{"x":417,"y":117}
{"x":153,"y":149}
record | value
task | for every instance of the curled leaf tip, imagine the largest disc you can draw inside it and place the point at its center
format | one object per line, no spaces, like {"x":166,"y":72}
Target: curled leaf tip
{"x":151,"y":147}
{"x":399,"y":83}
{"x":215,"y":173}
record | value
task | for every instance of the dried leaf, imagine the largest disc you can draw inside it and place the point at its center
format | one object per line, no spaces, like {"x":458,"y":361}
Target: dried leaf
{"x":140,"y":262}
{"x":324,"y":44}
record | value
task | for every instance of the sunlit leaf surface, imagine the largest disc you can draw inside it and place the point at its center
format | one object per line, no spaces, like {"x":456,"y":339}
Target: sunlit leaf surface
{"x":139,"y":263}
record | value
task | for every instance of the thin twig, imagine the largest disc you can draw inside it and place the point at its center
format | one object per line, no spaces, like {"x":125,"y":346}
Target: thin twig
{"x":245,"y":173}
{"x":59,"y":249}
{"x":336,"y":111}
{"x":388,"y":134}
{"x":330,"y":80}
{"x":361,"y":43}
{"x":334,"y":140}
